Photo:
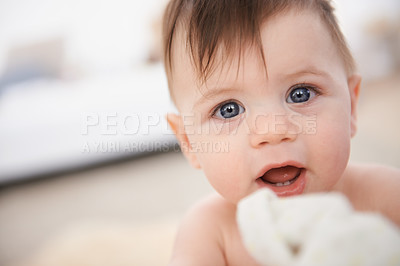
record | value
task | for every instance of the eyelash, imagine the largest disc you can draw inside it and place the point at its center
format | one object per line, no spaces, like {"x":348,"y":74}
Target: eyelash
{"x":216,"y":108}
{"x":315,"y":89}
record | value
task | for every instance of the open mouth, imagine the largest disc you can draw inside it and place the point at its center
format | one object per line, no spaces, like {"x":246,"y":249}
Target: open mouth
{"x":286,"y":180}
{"x":282,"y":176}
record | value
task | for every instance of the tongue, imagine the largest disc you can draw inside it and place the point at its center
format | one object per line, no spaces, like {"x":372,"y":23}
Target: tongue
{"x":281,"y":175}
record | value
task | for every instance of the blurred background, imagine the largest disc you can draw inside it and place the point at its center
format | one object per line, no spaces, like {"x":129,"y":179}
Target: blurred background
{"x":90,"y":173}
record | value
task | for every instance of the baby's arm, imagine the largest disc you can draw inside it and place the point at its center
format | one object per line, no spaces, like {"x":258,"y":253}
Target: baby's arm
{"x":373,"y":188}
{"x":198,"y":240}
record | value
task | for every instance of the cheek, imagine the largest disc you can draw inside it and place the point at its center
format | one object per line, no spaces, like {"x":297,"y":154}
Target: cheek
{"x":335,"y":144}
{"x":222,"y":163}
{"x":223,"y":171}
{"x":332,"y":148}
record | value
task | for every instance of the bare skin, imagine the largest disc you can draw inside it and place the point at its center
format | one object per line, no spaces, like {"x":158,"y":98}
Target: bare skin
{"x":372,"y":188}
{"x":209,"y":234}
{"x":300,"y":55}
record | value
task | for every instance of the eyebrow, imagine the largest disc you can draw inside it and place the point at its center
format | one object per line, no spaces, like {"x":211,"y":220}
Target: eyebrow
{"x":213,"y":93}
{"x":307,"y":71}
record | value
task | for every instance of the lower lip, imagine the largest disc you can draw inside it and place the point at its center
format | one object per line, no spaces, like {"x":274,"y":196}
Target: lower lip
{"x":296,"y":188}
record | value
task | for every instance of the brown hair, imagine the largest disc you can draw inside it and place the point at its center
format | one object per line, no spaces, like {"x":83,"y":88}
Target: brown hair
{"x":232,"y":24}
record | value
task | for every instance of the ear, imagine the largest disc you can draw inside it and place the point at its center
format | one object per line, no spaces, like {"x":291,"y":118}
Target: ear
{"x":354,"y":83}
{"x":177,"y":126}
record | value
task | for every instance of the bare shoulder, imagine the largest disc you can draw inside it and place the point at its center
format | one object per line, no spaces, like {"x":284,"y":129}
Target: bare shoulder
{"x":374,"y":177}
{"x":374,"y":169}
{"x":373,"y":187}
{"x":214,"y":205}
{"x":199,"y":240}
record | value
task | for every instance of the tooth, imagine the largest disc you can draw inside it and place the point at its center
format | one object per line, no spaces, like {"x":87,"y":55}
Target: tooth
{"x":287,"y":183}
{"x":279,"y":184}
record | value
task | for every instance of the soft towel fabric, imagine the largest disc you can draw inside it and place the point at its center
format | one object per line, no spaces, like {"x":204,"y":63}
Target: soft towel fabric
{"x":315,"y":229}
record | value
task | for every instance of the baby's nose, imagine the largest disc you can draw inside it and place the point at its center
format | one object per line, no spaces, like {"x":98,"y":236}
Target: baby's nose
{"x":271,"y":129}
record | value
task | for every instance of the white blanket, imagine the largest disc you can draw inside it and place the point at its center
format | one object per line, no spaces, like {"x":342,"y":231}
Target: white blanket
{"x":315,"y":229}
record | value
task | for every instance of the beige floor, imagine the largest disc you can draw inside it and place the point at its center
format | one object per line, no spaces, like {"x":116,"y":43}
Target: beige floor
{"x":127,"y":213}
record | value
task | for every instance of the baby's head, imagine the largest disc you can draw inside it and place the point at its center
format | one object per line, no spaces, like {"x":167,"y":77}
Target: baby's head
{"x":266,"y":93}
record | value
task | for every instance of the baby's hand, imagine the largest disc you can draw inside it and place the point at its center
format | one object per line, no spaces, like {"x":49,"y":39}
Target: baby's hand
{"x":315,"y":229}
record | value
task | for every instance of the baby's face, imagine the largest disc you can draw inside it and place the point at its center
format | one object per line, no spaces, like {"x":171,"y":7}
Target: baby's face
{"x":289,"y":130}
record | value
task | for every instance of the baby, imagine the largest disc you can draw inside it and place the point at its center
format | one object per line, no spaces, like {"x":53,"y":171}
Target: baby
{"x":267,"y":93}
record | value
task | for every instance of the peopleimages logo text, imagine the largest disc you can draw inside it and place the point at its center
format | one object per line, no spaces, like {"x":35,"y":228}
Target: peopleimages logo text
{"x":116,"y":123}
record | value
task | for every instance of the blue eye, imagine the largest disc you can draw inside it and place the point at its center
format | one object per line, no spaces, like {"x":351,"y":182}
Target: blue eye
{"x":228,"y":110}
{"x":300,"y":94}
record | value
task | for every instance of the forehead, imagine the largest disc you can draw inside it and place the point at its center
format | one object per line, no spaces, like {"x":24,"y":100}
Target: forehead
{"x":299,"y":39}
{"x":292,"y":42}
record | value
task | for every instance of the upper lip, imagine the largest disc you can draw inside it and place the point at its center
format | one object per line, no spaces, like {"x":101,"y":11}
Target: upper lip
{"x":278,"y":165}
